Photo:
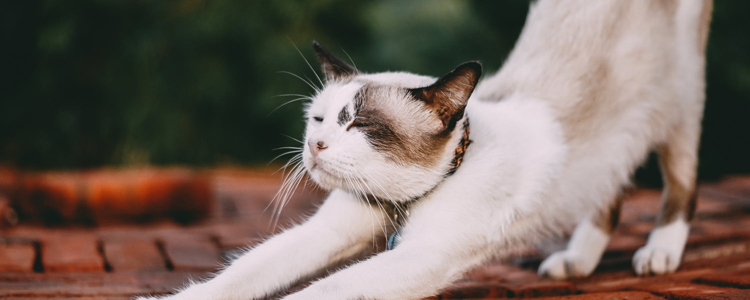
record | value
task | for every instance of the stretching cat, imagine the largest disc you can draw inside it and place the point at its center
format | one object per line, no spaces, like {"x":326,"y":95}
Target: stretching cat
{"x":455,"y":172}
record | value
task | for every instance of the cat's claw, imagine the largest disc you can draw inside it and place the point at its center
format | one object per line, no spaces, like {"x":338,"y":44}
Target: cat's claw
{"x":655,"y":261}
{"x":563,"y":265}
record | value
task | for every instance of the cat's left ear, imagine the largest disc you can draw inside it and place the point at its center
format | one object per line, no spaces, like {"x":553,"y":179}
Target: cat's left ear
{"x":333,"y":67}
{"x":448,"y":96}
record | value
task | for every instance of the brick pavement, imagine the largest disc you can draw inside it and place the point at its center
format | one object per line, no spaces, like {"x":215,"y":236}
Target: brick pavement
{"x":118,"y":260}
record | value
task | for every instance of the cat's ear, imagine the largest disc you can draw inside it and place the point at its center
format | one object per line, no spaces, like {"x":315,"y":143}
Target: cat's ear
{"x":448,"y":96}
{"x":333,"y":67}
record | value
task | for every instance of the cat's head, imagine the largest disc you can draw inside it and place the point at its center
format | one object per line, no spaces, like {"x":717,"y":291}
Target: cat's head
{"x":391,"y":135}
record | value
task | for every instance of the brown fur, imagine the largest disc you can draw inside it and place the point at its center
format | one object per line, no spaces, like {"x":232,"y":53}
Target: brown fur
{"x":607,"y":220}
{"x":387,"y":135}
{"x":679,"y":198}
{"x":408,"y":140}
{"x":344,"y":115}
{"x":448,"y":96}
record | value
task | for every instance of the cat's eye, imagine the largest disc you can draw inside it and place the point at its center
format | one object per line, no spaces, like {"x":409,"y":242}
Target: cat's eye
{"x":318,"y":119}
{"x":360,"y":124}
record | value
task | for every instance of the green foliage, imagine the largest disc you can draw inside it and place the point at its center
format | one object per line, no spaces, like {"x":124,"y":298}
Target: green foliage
{"x":105,"y":82}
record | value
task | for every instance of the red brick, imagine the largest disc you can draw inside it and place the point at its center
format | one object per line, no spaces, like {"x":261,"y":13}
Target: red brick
{"x":681,"y":290}
{"x":610,"y":285}
{"x":640,"y":229}
{"x":709,"y":231}
{"x":736,"y":185}
{"x":8,"y":214}
{"x":741,"y":281}
{"x":71,"y":254}
{"x":623,"y":280}
{"x":733,"y":295}
{"x":50,"y":197}
{"x":17,"y":258}
{"x":722,"y":255}
{"x":8,"y":181}
{"x":625,"y":243}
{"x":134,"y":255}
{"x":188,"y":252}
{"x":474,"y":289}
{"x":609,"y":296}
{"x":709,"y":207}
{"x":75,"y":285}
{"x":498,"y":272}
{"x":108,"y":196}
{"x":640,"y":205}
{"x":230,"y":235}
{"x":539,"y":288}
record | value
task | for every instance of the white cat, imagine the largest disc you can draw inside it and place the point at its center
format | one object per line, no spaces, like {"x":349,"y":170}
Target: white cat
{"x":467,"y":174}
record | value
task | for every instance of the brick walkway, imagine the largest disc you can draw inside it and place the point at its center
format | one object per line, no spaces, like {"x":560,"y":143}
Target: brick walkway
{"x":118,"y":261}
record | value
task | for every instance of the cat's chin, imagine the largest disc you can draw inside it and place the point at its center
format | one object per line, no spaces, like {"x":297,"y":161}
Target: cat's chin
{"x":325,"y":179}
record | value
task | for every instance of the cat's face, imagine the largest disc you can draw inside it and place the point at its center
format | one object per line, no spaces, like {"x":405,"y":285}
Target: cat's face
{"x":390,"y":135}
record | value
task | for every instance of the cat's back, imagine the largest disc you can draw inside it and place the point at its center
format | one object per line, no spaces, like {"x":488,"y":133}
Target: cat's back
{"x":600,"y":62}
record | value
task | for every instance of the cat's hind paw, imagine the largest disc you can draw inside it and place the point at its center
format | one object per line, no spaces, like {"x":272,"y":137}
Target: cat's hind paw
{"x":655,"y":261}
{"x":564,"y":265}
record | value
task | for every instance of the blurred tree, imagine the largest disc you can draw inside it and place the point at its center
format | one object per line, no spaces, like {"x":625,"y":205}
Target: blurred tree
{"x":90,"y":83}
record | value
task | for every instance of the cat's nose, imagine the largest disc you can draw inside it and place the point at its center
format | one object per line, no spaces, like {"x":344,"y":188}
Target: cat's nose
{"x":317,"y":146}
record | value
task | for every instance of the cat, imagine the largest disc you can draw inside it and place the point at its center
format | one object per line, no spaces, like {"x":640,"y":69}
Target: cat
{"x":454,"y":172}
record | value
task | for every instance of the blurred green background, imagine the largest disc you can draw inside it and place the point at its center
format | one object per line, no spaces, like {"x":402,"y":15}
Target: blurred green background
{"x":116,"y":83}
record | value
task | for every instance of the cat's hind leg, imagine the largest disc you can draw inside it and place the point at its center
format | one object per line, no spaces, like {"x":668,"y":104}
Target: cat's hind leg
{"x":678,"y":162}
{"x":586,"y":245}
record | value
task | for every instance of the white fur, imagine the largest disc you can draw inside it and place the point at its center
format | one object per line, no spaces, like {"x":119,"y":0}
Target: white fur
{"x":663,"y":252}
{"x":589,"y":90}
{"x":584,"y":251}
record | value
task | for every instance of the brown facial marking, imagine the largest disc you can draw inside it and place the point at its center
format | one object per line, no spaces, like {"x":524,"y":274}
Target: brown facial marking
{"x":378,"y":130}
{"x":391,"y":134}
{"x":359,"y":99}
{"x":608,"y":219}
{"x":344,"y":116}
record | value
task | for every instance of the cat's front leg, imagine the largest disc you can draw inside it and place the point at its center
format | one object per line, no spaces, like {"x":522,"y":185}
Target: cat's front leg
{"x":343,"y":227}
{"x":420,"y":266}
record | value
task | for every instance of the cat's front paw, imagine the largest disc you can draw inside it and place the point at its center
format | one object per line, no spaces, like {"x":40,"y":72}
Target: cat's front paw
{"x":651,"y":260}
{"x":564,"y":265}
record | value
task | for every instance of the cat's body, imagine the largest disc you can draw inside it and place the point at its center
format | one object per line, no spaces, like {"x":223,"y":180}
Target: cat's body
{"x":589,"y":90}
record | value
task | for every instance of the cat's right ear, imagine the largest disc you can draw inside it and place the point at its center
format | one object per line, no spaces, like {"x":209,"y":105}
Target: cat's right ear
{"x":333,"y":67}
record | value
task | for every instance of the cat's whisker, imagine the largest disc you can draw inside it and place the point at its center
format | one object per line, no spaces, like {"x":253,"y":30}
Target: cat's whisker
{"x":285,"y":153}
{"x":288,"y":102}
{"x":360,"y":193}
{"x":293,"y":95}
{"x":361,"y":186}
{"x":350,"y":58}
{"x":294,"y":139}
{"x":315,"y":88}
{"x":287,"y":187}
{"x":289,"y":147}
{"x":362,"y":181}
{"x":294,"y":160}
{"x":307,"y":62}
